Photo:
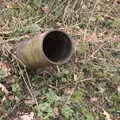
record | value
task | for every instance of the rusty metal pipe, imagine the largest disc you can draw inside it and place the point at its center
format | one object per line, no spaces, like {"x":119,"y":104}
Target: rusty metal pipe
{"x":54,"y":47}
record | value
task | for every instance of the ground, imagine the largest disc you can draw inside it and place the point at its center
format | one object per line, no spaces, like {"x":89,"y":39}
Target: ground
{"x":85,"y":88}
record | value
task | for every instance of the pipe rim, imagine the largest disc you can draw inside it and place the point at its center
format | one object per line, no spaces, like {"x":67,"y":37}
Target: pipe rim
{"x":70,"y":53}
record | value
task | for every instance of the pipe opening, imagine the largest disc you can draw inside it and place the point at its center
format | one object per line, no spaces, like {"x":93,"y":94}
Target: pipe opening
{"x":57,"y":46}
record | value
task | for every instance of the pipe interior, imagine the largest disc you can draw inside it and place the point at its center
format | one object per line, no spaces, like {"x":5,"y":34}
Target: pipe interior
{"x":57,"y":46}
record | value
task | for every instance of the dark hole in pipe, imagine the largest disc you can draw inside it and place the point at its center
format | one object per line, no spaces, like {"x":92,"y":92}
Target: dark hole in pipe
{"x":57,"y":46}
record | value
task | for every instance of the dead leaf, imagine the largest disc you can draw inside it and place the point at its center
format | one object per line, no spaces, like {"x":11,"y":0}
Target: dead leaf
{"x":92,"y":38}
{"x":12,"y":79}
{"x":70,"y":90}
{"x":101,"y":90}
{"x":59,"y":24}
{"x":1,"y":1}
{"x":5,"y":68}
{"x":1,"y":39}
{"x":56,"y":111}
{"x":27,"y":116}
{"x":3,"y":100}
{"x":107,"y":115}
{"x":92,"y":19}
{"x":116,"y":38}
{"x":3,"y":89}
{"x":46,"y":9}
{"x":93,"y":99}
{"x":42,"y":118}
{"x":75,"y":77}
{"x":118,"y":89}
{"x":11,"y":97}
{"x":29,"y":101}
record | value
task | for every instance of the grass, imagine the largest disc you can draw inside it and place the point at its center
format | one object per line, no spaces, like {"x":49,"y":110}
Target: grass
{"x":84,"y":89}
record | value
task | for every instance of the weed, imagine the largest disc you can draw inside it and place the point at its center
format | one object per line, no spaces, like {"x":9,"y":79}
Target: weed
{"x":16,"y":89}
{"x":65,"y":92}
{"x":2,"y":74}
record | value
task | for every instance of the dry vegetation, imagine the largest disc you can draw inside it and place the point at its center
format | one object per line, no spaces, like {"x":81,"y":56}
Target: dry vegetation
{"x":88,"y":87}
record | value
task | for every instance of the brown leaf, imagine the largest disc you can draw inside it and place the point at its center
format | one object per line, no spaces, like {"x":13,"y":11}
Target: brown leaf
{"x":92,"y":38}
{"x":5,"y":68}
{"x":1,"y":1}
{"x":92,"y":19}
{"x":70,"y":90}
{"x":101,"y":90}
{"x":108,"y":117}
{"x":29,"y":101}
{"x":42,"y":118}
{"x":93,"y":99}
{"x":116,"y":38}
{"x":75,"y":77}
{"x":46,"y":9}
{"x":27,"y":116}
{"x":11,"y":97}
{"x":118,"y":89}
{"x":3,"y":89}
{"x":12,"y":79}
{"x":56,"y":111}
{"x":3,"y":100}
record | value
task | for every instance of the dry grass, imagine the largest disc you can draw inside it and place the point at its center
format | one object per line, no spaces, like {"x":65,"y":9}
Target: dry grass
{"x":87,"y":88}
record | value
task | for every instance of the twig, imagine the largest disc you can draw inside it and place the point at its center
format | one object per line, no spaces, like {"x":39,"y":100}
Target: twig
{"x":5,"y":33}
{"x":14,"y":39}
{"x":29,"y":87}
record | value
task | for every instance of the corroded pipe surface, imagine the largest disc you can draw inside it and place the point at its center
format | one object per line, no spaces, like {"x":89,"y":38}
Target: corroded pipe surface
{"x":54,"y":47}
